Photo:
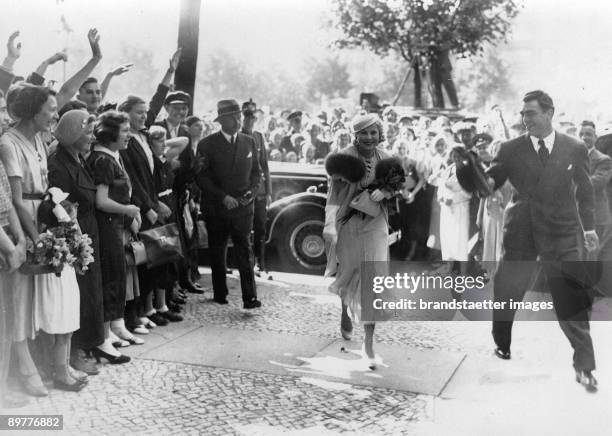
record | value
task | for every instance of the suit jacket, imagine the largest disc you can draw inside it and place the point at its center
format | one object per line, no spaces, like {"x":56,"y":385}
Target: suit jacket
{"x":144,"y":191}
{"x":183,"y":130}
{"x":548,"y":203}
{"x":265,"y":187}
{"x":227,"y":170}
{"x":600,"y":169}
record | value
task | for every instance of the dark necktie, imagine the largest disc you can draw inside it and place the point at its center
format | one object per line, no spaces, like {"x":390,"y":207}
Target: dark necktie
{"x":543,"y":152}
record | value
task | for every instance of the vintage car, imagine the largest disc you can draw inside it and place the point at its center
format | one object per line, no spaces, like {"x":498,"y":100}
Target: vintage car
{"x":297,"y":216}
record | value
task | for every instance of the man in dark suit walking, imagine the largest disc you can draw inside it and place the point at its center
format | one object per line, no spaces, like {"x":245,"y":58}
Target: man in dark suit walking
{"x":229,"y":180}
{"x":552,"y":201}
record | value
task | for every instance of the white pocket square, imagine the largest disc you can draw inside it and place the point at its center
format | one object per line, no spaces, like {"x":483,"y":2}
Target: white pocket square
{"x":570,"y":167}
{"x":250,"y":154}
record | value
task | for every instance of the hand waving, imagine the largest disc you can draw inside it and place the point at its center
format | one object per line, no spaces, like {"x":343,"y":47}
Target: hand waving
{"x":94,"y":41}
{"x":59,"y":56}
{"x":121,"y":69}
{"x":14,"y":50}
{"x":174,"y":60}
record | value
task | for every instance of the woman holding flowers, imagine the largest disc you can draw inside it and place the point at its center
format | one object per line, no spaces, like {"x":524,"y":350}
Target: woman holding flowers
{"x":68,"y":172}
{"x":44,"y":302}
{"x":356,"y":237}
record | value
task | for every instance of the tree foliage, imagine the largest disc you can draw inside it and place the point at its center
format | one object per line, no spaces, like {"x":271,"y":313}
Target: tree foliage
{"x":422,"y":31}
{"x":328,"y":77}
{"x":416,"y":26}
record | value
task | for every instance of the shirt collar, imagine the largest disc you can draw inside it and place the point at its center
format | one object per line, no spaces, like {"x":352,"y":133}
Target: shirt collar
{"x":229,"y":137}
{"x":102,"y":149}
{"x":549,"y":141}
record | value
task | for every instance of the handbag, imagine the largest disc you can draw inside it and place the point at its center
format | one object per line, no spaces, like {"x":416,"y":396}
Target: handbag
{"x":363,"y":203}
{"x":202,"y":234}
{"x":135,"y":253}
{"x":162,"y":245}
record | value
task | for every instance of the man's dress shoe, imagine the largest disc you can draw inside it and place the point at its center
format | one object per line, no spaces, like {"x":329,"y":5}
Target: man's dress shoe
{"x":586,"y":379}
{"x":505,"y":355}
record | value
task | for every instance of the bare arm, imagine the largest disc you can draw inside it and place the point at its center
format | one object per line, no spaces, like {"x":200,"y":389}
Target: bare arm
{"x":42,"y":68}
{"x":115,"y":72}
{"x":25,"y":217}
{"x":69,"y":89}
{"x":13,"y":53}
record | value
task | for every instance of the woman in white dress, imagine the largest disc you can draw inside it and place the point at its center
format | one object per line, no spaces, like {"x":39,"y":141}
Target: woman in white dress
{"x":454,"y":214}
{"x":45,"y":302}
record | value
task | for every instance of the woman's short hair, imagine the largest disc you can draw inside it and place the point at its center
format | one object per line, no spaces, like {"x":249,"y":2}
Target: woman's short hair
{"x":107,"y":128}
{"x":157,"y":132}
{"x":29,"y":101}
{"x":130,"y":102}
{"x":190,"y":121}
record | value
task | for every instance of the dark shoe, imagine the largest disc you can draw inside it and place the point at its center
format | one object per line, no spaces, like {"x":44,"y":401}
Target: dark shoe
{"x":78,"y":361}
{"x":115,"y":360}
{"x":178,"y":300}
{"x":194,"y":288}
{"x":174,"y":307}
{"x":586,"y":379}
{"x":220,"y":300}
{"x":158,"y":319}
{"x":505,"y":355}
{"x":253,"y":304}
{"x":171,"y":316}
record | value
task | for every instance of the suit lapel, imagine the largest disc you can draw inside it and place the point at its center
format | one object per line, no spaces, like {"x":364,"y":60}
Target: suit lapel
{"x":529,"y":156}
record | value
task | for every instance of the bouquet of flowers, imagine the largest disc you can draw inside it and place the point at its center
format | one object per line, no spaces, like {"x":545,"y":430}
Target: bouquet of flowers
{"x":62,"y":243}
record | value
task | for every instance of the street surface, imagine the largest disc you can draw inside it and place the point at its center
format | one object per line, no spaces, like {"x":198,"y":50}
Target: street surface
{"x":285,"y":370}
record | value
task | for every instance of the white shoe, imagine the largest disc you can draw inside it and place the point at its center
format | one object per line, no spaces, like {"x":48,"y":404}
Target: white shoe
{"x":116,"y":341}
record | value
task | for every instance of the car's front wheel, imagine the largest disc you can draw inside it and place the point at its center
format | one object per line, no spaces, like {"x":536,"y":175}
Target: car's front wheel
{"x":301,"y":248}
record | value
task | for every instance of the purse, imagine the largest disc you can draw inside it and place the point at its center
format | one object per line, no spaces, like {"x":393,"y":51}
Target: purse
{"x":162,"y":245}
{"x":363,"y":203}
{"x":135,"y":253}
{"x":202,"y":234}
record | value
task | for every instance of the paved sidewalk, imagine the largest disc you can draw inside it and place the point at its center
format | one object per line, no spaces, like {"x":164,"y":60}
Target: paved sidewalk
{"x":284,"y":370}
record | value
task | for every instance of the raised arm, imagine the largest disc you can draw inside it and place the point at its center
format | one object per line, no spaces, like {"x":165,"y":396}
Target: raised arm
{"x":38,"y":76}
{"x":70,"y":88}
{"x":157,"y":101}
{"x":115,"y":72}
{"x":6,"y":69}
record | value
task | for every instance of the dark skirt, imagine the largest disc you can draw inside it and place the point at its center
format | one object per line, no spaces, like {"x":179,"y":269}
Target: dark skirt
{"x":112,"y":265}
{"x":91,"y":332}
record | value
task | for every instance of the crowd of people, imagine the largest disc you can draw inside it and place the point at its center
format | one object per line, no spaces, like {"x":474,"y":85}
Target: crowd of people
{"x":146,"y":163}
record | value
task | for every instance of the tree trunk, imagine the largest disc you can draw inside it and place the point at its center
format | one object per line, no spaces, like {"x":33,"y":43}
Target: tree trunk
{"x":418,"y":101}
{"x":435,"y":79}
{"x":401,"y":87}
{"x":188,"y":35}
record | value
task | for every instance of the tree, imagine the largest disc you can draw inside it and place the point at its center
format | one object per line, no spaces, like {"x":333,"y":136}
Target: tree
{"x":424,"y":33}
{"x":484,"y":82}
{"x":328,"y":77}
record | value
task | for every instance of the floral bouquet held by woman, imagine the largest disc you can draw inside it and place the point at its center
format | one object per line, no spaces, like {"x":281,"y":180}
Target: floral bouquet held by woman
{"x":389,"y":176}
{"x":61,"y":243}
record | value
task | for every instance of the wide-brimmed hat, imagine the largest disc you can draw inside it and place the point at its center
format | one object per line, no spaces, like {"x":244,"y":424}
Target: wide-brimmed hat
{"x":227,"y":107}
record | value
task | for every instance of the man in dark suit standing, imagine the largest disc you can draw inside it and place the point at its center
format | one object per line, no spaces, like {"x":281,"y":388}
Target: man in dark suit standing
{"x":549,"y":172}
{"x":229,"y":180}
{"x":264,"y":194}
{"x":600,"y":170}
{"x":177,"y":105}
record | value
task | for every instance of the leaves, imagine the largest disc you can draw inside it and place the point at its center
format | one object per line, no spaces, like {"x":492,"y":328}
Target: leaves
{"x":420,"y":26}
